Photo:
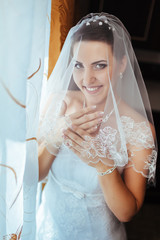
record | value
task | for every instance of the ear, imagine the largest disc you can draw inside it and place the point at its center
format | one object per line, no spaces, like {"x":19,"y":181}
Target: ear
{"x":123,"y":64}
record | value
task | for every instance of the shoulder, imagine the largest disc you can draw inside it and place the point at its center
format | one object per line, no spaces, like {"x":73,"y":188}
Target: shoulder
{"x":127,"y":111}
{"x":136,"y":126}
{"x":133,"y":115}
{"x":76,"y":95}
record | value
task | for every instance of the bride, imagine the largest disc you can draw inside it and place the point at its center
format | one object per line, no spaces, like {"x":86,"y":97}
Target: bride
{"x":96,"y":136}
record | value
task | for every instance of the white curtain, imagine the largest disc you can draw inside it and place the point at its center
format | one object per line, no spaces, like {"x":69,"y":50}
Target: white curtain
{"x":22,"y":51}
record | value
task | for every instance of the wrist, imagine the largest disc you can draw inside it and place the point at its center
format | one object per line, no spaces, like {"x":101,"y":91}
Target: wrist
{"x":101,"y":167}
{"x":105,"y":170}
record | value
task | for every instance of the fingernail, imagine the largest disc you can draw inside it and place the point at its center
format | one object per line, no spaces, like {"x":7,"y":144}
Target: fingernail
{"x":101,"y":113}
{"x":93,"y":107}
{"x":100,"y":120}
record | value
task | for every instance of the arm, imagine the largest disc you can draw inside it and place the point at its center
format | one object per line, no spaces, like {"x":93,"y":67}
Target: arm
{"x":45,"y":162}
{"x":45,"y":158}
{"x":125,"y":196}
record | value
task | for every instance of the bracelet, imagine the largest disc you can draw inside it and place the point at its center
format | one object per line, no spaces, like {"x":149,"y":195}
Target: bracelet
{"x":107,"y":172}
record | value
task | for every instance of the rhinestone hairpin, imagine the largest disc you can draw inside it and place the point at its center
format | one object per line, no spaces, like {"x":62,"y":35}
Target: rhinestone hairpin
{"x":100,"y":23}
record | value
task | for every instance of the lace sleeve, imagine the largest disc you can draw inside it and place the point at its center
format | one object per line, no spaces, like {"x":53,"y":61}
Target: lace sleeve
{"x":141,"y":148}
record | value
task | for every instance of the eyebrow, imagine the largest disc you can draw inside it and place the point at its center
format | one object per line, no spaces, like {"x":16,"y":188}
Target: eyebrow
{"x":98,"y":62}
{"x":93,"y":62}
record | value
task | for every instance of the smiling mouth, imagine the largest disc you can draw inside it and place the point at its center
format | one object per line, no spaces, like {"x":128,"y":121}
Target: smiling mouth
{"x":92,"y":90}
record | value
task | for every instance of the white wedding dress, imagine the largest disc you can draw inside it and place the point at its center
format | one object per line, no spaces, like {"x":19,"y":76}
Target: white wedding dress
{"x":73,"y":206}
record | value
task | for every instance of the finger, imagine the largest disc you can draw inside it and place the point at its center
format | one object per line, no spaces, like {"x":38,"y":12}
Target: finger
{"x":68,"y":133}
{"x":63,"y":109}
{"x":82,"y":112}
{"x":71,"y":144}
{"x":79,"y":137}
{"x":80,"y":152}
{"x":92,"y":130}
{"x":85,"y":120}
{"x":88,"y":118}
{"x":79,"y":131}
{"x":91,"y":124}
{"x":75,"y":150}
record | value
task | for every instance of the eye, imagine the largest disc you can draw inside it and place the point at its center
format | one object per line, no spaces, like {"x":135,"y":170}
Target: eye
{"x":78,"y":65}
{"x":100,"y":66}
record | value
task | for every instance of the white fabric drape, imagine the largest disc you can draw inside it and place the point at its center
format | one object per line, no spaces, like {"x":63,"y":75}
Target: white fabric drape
{"x":22,"y":46}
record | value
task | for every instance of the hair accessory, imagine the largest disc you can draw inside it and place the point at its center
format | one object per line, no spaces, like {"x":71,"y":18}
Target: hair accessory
{"x":121,"y":75}
{"x":107,"y":172}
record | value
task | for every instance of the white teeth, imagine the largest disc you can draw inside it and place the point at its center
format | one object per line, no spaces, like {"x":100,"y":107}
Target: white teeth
{"x":92,"y":89}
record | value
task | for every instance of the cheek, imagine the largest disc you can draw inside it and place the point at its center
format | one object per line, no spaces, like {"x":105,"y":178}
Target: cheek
{"x":110,"y":72}
{"x":77,"y":78}
{"x":108,"y":75}
{"x":103,"y":77}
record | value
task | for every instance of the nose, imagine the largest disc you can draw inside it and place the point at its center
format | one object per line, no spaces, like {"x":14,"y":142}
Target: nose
{"x":88,"y":77}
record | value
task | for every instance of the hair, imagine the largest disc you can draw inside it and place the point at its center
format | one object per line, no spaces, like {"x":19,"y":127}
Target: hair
{"x":94,"y":31}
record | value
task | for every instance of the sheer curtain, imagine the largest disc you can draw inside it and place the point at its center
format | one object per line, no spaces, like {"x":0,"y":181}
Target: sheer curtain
{"x":22,"y":48}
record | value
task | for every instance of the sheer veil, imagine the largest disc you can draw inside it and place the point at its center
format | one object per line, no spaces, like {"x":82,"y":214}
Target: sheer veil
{"x":127,"y":128}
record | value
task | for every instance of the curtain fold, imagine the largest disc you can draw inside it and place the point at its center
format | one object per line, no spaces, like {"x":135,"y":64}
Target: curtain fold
{"x":62,"y":18}
{"x":22,"y":45}
{"x":34,"y":83}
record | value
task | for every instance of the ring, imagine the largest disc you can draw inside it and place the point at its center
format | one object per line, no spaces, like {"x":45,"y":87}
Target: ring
{"x":68,"y":142}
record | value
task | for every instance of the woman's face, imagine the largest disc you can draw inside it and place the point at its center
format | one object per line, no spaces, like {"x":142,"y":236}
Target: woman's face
{"x":92,"y":68}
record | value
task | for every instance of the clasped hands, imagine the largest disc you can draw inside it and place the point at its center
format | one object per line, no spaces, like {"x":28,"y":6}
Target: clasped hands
{"x":80,"y":127}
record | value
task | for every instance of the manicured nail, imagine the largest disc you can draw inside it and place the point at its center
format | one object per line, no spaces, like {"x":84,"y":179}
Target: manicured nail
{"x":101,"y":113}
{"x":100,"y":120}
{"x":93,"y":107}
